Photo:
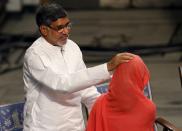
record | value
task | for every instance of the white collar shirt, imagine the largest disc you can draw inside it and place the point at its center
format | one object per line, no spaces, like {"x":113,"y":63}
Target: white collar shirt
{"x":56,"y":83}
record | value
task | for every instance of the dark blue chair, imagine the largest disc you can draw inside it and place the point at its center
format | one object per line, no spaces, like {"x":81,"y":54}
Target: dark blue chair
{"x":11,"y":117}
{"x":103,"y":88}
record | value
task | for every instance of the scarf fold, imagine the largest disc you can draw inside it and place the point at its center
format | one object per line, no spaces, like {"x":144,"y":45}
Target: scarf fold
{"x":124,"y":107}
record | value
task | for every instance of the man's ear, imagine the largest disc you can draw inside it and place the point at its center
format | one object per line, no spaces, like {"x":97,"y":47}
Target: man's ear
{"x":43,"y":30}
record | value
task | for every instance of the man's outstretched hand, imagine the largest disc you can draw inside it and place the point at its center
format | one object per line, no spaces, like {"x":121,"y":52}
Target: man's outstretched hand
{"x":118,"y":59}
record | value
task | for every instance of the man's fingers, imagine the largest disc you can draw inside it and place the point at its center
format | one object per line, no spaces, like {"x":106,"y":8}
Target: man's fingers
{"x":118,"y":59}
{"x":126,"y":56}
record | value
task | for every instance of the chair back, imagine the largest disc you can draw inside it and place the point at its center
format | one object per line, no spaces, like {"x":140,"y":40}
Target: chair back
{"x":11,"y":117}
{"x":103,"y":88}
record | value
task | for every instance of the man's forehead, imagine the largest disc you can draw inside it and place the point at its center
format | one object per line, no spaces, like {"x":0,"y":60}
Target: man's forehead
{"x":61,"y":21}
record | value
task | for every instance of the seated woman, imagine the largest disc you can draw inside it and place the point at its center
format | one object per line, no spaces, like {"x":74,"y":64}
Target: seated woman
{"x":124,"y":107}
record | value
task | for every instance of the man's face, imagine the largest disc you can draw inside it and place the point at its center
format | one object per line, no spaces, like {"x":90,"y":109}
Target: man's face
{"x":58,"y":31}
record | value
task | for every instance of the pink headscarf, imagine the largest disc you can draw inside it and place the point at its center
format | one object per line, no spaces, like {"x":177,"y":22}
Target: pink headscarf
{"x":124,"y":107}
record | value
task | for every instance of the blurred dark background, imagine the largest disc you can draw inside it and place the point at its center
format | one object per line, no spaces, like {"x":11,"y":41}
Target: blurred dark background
{"x":149,"y":28}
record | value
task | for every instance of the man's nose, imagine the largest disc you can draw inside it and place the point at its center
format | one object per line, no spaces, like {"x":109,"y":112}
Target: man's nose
{"x":66,"y":30}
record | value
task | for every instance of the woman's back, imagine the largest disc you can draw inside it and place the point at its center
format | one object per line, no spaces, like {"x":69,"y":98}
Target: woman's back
{"x":124,"y":107}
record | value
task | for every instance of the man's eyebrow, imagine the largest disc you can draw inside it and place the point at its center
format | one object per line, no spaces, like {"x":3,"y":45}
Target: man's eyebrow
{"x":60,"y":26}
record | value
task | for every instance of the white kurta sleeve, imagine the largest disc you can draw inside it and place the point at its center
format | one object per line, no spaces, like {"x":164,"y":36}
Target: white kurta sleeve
{"x":67,"y":83}
{"x":89,"y":96}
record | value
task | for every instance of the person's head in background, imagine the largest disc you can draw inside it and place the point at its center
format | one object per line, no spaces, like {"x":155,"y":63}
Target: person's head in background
{"x":53,"y":23}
